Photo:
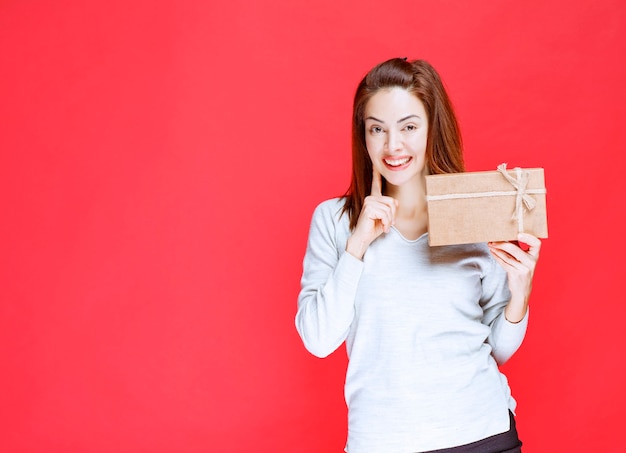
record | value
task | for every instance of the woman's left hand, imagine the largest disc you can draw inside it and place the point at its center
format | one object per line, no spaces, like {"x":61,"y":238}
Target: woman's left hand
{"x":519,"y":265}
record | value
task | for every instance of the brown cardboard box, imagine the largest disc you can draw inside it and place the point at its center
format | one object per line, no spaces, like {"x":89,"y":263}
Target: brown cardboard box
{"x":486,"y":205}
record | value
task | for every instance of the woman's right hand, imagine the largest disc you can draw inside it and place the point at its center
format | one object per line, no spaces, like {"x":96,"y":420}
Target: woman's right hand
{"x":377,"y":217}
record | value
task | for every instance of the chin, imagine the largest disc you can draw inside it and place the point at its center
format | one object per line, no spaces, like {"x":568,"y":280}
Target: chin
{"x":398,"y":181}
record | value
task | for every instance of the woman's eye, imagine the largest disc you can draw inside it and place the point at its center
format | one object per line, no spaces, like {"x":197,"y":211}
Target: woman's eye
{"x":410,"y":127}
{"x":376,"y":129}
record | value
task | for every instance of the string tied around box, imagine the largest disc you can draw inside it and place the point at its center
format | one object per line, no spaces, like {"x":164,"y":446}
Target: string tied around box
{"x":522,"y":199}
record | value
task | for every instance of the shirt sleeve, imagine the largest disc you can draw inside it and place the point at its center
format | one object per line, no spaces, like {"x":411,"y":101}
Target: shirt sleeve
{"x":505,"y":337}
{"x":329,"y":284}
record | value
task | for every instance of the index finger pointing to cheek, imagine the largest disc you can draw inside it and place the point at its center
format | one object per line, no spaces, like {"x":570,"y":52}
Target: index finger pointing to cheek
{"x":377,"y":184}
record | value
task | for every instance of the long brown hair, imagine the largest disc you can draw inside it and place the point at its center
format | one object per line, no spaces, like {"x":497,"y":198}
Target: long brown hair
{"x":444,"y":148}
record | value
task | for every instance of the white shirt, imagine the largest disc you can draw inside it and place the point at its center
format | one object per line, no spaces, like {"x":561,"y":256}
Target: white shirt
{"x":424,"y":329}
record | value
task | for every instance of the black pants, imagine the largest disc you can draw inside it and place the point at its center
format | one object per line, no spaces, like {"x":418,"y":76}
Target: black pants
{"x":507,"y":442}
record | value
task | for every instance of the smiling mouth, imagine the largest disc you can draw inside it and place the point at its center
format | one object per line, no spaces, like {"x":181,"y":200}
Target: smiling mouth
{"x":397,"y":162}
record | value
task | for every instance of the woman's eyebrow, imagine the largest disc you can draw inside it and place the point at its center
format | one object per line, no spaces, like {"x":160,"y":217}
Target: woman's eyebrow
{"x":399,"y":121}
{"x":407,"y":117}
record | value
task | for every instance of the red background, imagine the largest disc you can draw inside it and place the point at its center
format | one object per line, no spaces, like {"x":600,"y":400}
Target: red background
{"x":160,"y":164}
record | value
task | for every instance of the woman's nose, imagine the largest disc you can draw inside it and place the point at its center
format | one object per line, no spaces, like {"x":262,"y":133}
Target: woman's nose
{"x":393,"y":142}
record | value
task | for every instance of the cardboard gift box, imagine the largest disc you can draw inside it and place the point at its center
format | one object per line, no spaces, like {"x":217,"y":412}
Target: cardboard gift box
{"x":486,"y":205}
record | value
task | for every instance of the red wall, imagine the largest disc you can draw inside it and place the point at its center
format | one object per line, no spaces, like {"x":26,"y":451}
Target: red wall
{"x":160,"y":163}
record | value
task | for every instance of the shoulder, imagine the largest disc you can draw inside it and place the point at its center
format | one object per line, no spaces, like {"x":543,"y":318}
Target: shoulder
{"x":331,"y":209}
{"x":476,"y":255}
{"x":329,"y":220}
{"x":479,"y":249}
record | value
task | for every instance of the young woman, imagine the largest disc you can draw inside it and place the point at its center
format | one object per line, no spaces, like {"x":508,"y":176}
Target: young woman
{"x":425,"y":327}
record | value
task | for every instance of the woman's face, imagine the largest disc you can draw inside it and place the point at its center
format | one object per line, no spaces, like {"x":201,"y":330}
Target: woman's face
{"x":396,"y":132}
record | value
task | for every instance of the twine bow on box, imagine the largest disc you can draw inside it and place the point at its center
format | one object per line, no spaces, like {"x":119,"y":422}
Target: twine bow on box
{"x":523,"y":200}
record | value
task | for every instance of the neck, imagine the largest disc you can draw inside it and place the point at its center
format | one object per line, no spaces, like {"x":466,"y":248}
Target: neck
{"x":411,"y":216}
{"x":411,"y":199}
